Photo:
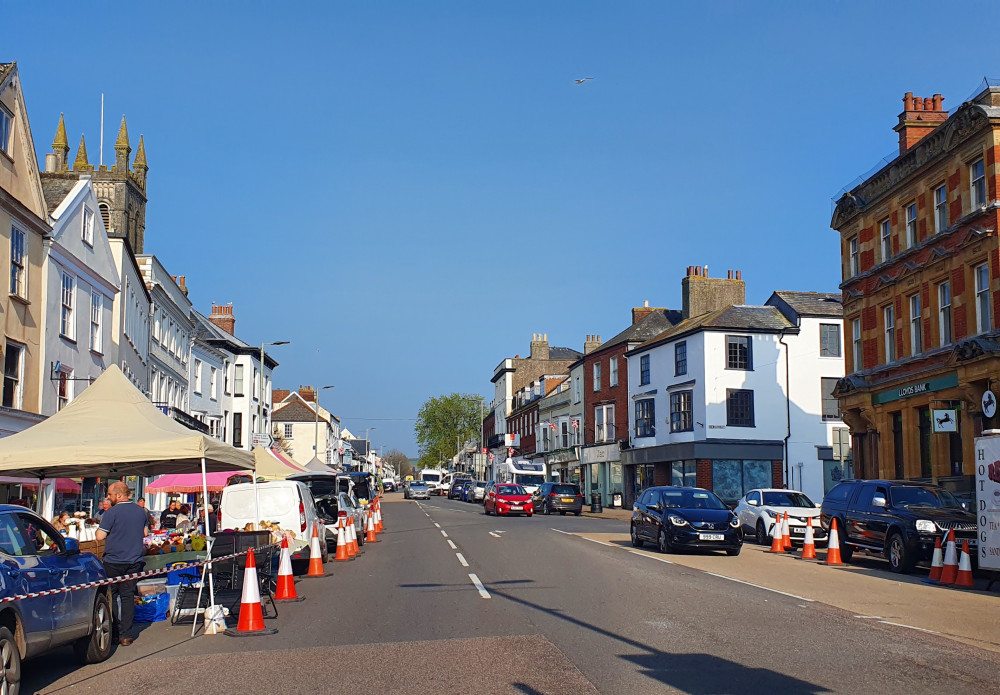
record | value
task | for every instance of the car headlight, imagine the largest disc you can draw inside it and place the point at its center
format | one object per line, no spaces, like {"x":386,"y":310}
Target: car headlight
{"x":677,"y":520}
{"x":735,"y":522}
{"x":926,"y":526}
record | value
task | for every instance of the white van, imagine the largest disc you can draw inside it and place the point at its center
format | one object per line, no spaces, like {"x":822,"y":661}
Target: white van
{"x":433,"y":478}
{"x":285,"y":502}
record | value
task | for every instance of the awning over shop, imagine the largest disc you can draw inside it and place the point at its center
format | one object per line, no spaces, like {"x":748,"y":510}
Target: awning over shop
{"x":63,"y":485}
{"x":189,"y":482}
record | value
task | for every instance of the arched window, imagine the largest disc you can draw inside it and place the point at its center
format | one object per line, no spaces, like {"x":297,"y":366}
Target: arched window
{"x":105,"y":215}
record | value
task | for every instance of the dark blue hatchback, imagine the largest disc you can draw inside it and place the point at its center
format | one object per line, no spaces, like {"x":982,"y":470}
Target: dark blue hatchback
{"x":685,"y":517}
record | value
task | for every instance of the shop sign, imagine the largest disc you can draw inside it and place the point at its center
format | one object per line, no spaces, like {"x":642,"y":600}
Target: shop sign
{"x":915,"y":389}
{"x":945,"y":420}
{"x":989,"y":404}
{"x":601,"y":454}
{"x":988,"y":501}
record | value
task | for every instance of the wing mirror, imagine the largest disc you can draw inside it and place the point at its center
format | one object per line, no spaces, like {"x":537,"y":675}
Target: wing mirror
{"x":878,"y":501}
{"x":753,"y":503}
{"x":72,"y":546}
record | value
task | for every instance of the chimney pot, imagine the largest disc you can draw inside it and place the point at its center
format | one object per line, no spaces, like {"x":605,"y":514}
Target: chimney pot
{"x":938,"y":99}
{"x":646,"y":303}
{"x":908,"y":101}
{"x":706,"y":271}
{"x":928,"y":104}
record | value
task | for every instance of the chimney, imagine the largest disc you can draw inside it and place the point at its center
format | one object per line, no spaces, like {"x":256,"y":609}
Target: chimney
{"x":539,"y":346}
{"x":641,"y":312}
{"x":592,"y":343}
{"x":307,"y":393}
{"x":222,"y":316}
{"x":181,"y":281}
{"x":919,"y":119}
{"x":702,"y":294}
{"x":278,"y":395}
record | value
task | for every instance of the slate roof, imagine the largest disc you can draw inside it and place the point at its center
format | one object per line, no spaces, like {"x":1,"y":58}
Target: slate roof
{"x":739,"y":317}
{"x":813,"y":303}
{"x":563,"y":353}
{"x":56,"y":190}
{"x":296,"y":411}
{"x":650,"y":326}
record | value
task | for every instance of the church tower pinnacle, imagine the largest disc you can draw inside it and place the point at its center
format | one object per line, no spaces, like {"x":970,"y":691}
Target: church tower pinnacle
{"x":60,"y":146}
{"x":81,"y":163}
{"x":122,"y":149}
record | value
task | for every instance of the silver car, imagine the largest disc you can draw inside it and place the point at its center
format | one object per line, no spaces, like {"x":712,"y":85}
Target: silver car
{"x":418,"y":490}
{"x":478,"y":491}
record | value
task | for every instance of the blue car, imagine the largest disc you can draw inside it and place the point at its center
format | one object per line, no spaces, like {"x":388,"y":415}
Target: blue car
{"x":35,"y":557}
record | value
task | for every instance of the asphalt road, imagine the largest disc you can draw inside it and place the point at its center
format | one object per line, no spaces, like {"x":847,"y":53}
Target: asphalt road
{"x":553,"y":612}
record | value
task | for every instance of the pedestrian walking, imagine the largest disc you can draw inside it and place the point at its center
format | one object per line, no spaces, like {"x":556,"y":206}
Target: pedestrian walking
{"x":103,"y":508}
{"x":122,"y":530}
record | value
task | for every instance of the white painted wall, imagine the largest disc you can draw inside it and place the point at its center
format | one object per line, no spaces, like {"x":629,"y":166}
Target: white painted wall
{"x":130,"y":319}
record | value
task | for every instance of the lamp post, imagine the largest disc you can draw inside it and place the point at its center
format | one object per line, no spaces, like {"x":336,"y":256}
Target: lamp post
{"x":367,"y":430}
{"x":316,"y":442}
{"x":260,"y":386}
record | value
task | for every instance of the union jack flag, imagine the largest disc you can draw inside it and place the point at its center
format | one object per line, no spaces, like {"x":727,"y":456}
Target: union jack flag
{"x":576,"y":424}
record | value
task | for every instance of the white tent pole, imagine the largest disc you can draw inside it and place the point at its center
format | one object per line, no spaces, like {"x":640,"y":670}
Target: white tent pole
{"x":210,"y":542}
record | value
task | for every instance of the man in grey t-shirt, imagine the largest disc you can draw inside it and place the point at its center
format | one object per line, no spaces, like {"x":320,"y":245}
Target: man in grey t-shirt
{"x":122,"y":530}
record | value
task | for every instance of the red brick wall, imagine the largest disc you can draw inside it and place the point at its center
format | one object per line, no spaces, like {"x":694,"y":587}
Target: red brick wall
{"x":925,"y":307}
{"x":961,"y":325}
{"x":777,"y":477}
{"x":618,"y":394}
{"x":869,"y":319}
{"x":901,"y":323}
{"x":703,"y":473}
{"x":867,"y":260}
{"x":869,"y":352}
{"x":661,"y":474}
{"x":957,"y":282}
{"x":866,"y":235}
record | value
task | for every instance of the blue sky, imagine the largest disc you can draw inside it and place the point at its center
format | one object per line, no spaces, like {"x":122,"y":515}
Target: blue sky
{"x":407,"y":191}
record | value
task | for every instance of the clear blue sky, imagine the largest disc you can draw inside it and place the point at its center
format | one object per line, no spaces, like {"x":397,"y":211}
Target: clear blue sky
{"x":407,"y":191}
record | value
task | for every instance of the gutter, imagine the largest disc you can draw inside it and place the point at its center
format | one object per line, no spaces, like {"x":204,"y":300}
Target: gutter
{"x":788,"y":403}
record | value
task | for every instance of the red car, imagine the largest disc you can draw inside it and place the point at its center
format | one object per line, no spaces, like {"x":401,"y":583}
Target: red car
{"x":505,"y":498}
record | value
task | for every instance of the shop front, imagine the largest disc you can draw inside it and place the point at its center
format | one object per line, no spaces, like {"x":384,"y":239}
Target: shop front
{"x":602,"y":473}
{"x":563,"y":465}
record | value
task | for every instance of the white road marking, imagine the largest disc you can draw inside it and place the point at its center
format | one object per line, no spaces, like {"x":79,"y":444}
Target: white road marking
{"x":563,"y":532}
{"x":758,"y":586}
{"x":444,"y":533}
{"x":495,"y":535}
{"x":869,"y":617}
{"x":437,"y":524}
{"x":452,"y":544}
{"x":461,"y":558}
{"x":652,"y":557}
{"x":610,"y":545}
{"x":921,"y":629}
{"x":479,"y":585}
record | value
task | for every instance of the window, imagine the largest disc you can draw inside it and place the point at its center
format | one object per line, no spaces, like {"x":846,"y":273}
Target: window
{"x":597,"y":376}
{"x":944,"y":313}
{"x":604,"y":423}
{"x":886,"y":229}
{"x":940,"y":209}
{"x":829,"y":340}
{"x":916,"y":326}
{"x":238,"y":381}
{"x":288,"y":431}
{"x":858,"y":355}
{"x":982,"y":298}
{"x":13,"y":366}
{"x":889,"y":322}
{"x":105,"y":214}
{"x":18,"y":286}
{"x":738,"y":352}
{"x":977,"y":184}
{"x":680,"y":412}
{"x":225,"y":377}
{"x":66,"y":313}
{"x":911,"y":225}
{"x":831,"y":406}
{"x":96,"y":312}
{"x":684,"y":473}
{"x":613,"y":372}
{"x":739,"y":408}
{"x":681,"y":358}
{"x":645,"y":418}
{"x":576,"y":389}
{"x":238,"y":429}
{"x":88,"y":226}
{"x":855,"y":266}
{"x":64,"y":395}
{"x":564,"y":433}
{"x":644,"y":370}
{"x":6,"y":128}
{"x":197,"y":376}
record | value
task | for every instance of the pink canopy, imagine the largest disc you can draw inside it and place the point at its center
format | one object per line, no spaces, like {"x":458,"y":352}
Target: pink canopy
{"x":63,"y":485}
{"x":189,"y":482}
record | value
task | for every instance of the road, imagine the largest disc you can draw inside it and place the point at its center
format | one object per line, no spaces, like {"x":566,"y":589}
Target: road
{"x":546,"y":605}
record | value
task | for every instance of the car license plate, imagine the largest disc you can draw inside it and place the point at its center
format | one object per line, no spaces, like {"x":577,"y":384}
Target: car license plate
{"x":711,"y":537}
{"x":798,"y":530}
{"x":515,"y":506}
{"x":567,"y":499}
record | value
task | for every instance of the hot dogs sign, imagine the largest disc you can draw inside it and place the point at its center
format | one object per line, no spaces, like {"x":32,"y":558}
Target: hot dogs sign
{"x":988,"y":500}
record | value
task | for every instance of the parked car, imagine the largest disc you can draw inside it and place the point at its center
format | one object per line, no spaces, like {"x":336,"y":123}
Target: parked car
{"x":289,"y":503}
{"x":418,"y":490}
{"x":331,"y":505}
{"x":558,"y":497}
{"x":36,"y":557}
{"x":477,"y":491}
{"x":898,"y":520}
{"x":508,"y":498}
{"x":467,"y":485}
{"x":685,"y":517}
{"x":455,"y":491}
{"x":388,"y":485}
{"x":758,"y":510}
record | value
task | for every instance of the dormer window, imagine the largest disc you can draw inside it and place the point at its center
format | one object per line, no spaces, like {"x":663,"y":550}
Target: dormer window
{"x":88,"y":226}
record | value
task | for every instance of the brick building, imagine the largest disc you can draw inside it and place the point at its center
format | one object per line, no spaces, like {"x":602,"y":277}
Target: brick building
{"x":920,"y":262}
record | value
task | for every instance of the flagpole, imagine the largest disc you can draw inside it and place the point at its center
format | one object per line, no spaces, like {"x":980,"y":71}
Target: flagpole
{"x":101,"y":162}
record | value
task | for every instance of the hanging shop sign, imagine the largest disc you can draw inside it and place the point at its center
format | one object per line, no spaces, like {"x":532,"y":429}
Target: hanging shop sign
{"x":945,"y":420}
{"x":988,"y":501}
{"x":989,"y":404}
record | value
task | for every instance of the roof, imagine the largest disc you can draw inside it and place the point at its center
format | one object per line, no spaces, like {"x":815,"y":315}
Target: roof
{"x":296,"y":411}
{"x":564,"y":353}
{"x":5,"y":68}
{"x":650,"y":326}
{"x":739,"y":317}
{"x":813,"y":303}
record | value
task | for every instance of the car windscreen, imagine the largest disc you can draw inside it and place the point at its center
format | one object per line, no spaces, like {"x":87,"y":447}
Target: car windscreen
{"x":787,"y":499}
{"x":431,"y":477}
{"x":417,"y":486}
{"x":321,"y":487}
{"x":526,"y":479}
{"x":691,"y":499}
{"x":510,"y":490}
{"x":566,"y":490}
{"x":914,"y":496}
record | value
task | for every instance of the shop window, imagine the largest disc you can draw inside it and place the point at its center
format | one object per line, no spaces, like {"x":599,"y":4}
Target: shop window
{"x":644,"y":477}
{"x":731,"y":479}
{"x":683,"y":474}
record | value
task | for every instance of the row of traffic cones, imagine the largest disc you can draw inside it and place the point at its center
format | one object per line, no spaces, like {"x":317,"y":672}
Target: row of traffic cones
{"x":251,"y":619}
{"x":949,"y":570}
{"x":782,"y":541}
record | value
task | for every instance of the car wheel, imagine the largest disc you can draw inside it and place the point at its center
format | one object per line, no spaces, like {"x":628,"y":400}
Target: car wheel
{"x":545,"y":508}
{"x":578,"y":513}
{"x":762,"y":538}
{"x":486,"y":511}
{"x":528,"y":515}
{"x":95,"y":647}
{"x":662,"y":543}
{"x":10,"y":662}
{"x":846,"y":551}
{"x":636,"y":541}
{"x":733,"y":552}
{"x":900,"y":557}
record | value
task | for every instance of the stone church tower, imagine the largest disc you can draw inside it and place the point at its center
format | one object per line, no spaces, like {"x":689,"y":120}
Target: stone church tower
{"x":121,"y":190}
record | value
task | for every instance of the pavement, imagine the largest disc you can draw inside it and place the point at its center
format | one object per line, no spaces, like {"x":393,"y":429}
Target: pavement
{"x":452,"y":601}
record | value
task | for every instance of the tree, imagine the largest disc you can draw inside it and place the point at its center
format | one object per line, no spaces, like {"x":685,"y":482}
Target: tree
{"x":399,"y":461}
{"x":443,"y":423}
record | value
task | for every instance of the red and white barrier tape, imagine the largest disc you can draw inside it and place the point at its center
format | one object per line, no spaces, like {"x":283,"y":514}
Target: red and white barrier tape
{"x":130,"y":577}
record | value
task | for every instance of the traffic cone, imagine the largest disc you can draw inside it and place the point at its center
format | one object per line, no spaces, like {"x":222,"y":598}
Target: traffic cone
{"x":251,"y":621}
{"x":949,"y":572}
{"x":964,"y":578}
{"x":353,"y":549}
{"x":315,"y":555}
{"x":833,"y":545}
{"x":777,"y":542}
{"x":378,"y":517}
{"x":786,"y":536}
{"x":285,"y":590}
{"x":809,"y":544}
{"x":370,"y":529}
{"x":342,"y":554}
{"x":936,"y":563}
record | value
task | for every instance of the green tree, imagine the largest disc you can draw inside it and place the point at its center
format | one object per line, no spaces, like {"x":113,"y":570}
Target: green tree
{"x":445,"y":421}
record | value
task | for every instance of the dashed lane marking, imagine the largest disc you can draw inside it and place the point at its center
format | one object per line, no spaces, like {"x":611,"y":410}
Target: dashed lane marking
{"x":437,"y":524}
{"x":479,"y":585}
{"x":444,"y":533}
{"x":495,"y":535}
{"x":452,"y":544}
{"x":461,"y":558}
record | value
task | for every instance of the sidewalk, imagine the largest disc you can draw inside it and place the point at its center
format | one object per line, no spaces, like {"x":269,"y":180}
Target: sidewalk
{"x":608,"y":513}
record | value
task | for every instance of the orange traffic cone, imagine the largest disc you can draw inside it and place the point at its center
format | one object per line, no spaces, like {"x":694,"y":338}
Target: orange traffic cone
{"x":777,"y":542}
{"x":786,"y":536}
{"x":809,"y":545}
{"x":315,"y":555}
{"x":949,"y":572}
{"x":833,"y":545}
{"x":378,"y":517}
{"x":342,"y":554}
{"x":964,"y":578}
{"x":936,"y":563}
{"x":370,"y":529}
{"x":351,"y":536}
{"x":285,"y":590}
{"x":251,"y":621}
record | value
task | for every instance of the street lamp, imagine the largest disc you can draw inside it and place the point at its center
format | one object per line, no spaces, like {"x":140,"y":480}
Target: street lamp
{"x":260,"y":387}
{"x":367,"y":430}
{"x":316,"y":442}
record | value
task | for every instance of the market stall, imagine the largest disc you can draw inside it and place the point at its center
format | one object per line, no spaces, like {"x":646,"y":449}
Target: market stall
{"x":271,"y":465}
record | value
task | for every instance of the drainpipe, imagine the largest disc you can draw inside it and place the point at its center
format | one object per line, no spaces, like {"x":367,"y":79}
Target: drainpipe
{"x":788,"y":404}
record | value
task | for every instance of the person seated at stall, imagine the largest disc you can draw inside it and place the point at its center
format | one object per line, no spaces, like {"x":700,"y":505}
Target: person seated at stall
{"x":213,"y":520}
{"x":184,"y":518}
{"x":62,"y":522}
{"x":168,"y":517}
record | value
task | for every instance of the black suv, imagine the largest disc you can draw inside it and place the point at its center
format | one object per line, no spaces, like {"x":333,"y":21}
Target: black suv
{"x":898,"y":519}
